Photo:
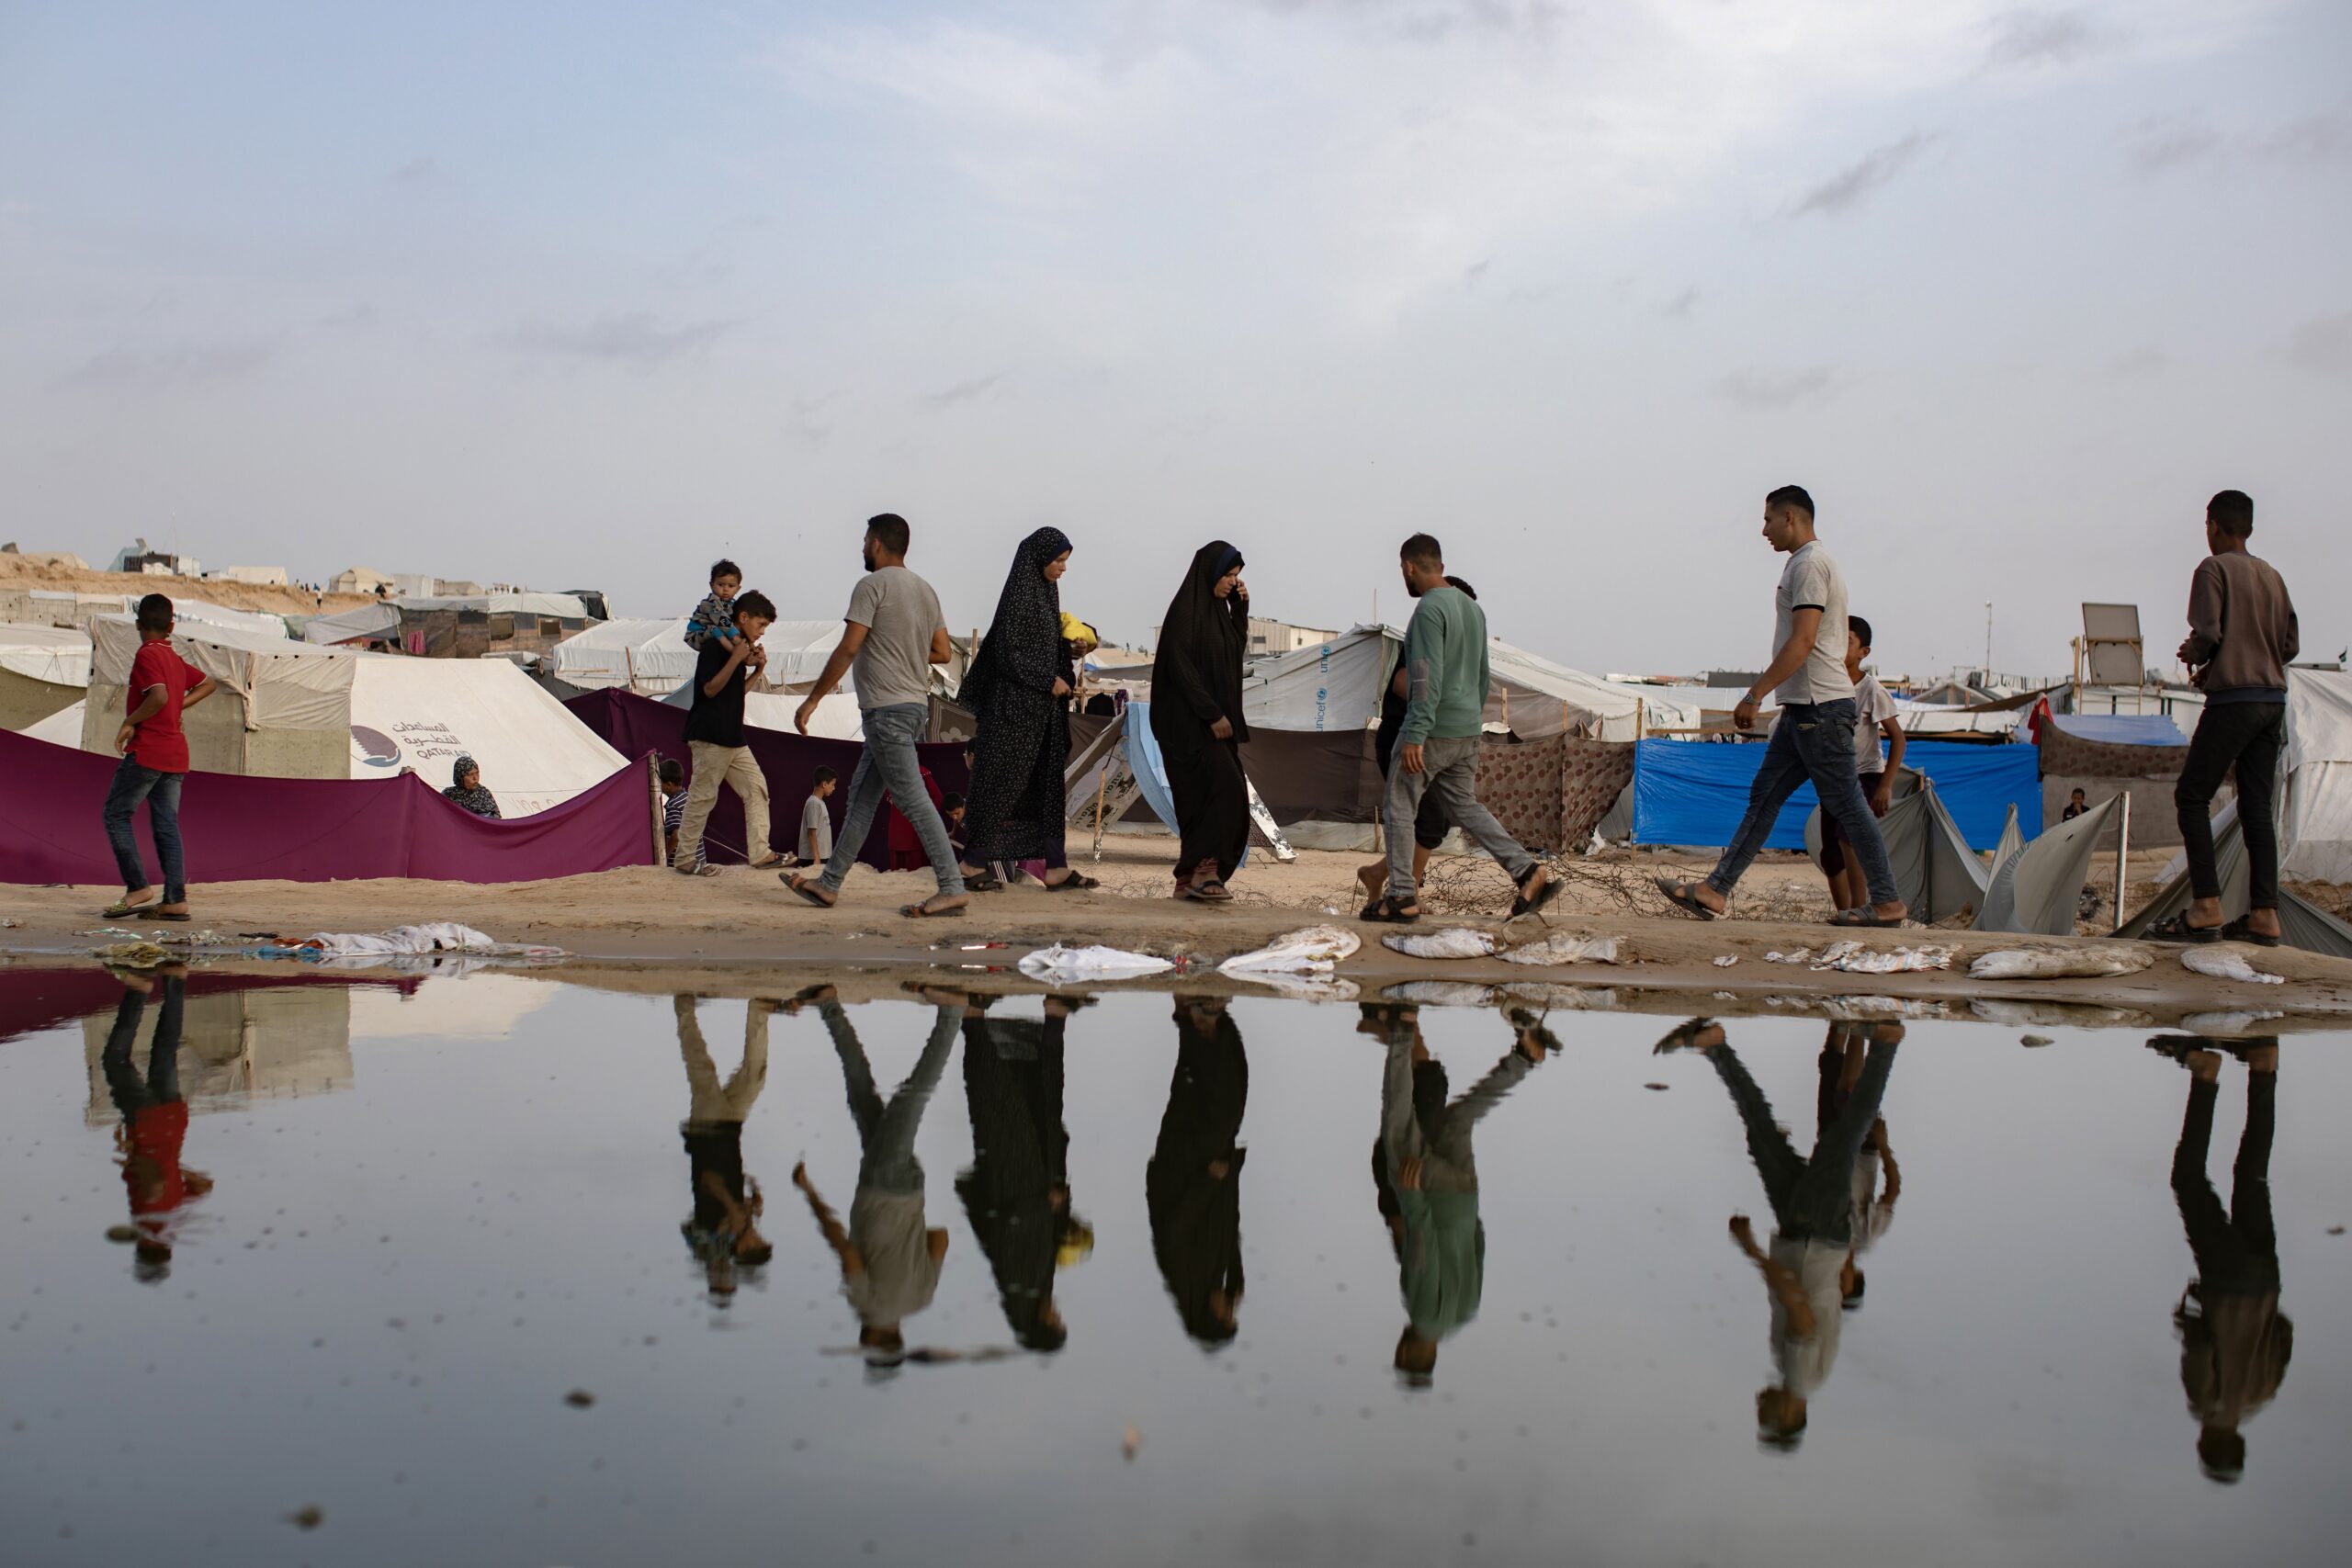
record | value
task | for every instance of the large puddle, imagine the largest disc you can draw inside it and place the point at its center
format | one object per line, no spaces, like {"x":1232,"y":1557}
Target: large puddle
{"x":490,"y":1270}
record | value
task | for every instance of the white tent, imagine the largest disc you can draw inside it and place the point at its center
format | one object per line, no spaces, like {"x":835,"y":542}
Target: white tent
{"x":837,"y":716}
{"x":59,"y":655}
{"x":351,"y":626}
{"x":564,"y":606}
{"x":2317,"y":837}
{"x":656,"y":651}
{"x":62,"y":727}
{"x":1336,"y":685}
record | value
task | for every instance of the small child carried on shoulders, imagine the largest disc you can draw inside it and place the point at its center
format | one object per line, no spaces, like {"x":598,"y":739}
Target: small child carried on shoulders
{"x":715,"y":617}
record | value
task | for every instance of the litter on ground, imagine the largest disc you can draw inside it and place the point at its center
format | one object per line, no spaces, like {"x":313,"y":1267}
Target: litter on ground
{"x":1564,"y":949}
{"x":1459,"y":942}
{"x":1062,"y":964}
{"x":2226,"y":964}
{"x":2058,"y":963}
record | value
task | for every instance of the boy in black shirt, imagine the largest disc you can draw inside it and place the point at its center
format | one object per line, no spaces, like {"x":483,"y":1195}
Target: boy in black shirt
{"x":723,"y":671}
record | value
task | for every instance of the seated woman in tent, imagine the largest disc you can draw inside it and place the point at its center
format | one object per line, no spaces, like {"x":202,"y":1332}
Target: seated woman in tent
{"x":465,"y":789}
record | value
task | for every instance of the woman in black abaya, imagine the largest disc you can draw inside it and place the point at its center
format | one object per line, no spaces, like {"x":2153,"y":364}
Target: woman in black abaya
{"x":1017,"y":1191}
{"x":1192,"y":1186}
{"x":1196,"y":719}
{"x":1018,"y":689}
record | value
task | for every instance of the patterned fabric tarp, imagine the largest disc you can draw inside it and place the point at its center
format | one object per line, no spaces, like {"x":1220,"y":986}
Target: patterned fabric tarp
{"x":2071,"y":756}
{"x":1550,"y":794}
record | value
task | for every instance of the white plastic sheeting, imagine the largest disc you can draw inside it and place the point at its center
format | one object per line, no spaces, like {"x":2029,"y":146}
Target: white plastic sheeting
{"x":2040,"y":887}
{"x":1336,"y":685}
{"x":59,"y":655}
{"x":62,"y":727}
{"x":286,"y":683}
{"x":424,"y":713}
{"x":2317,"y":836}
{"x":350,"y":626}
{"x":565,"y":606}
{"x":1059,"y":965}
{"x":649,"y":657}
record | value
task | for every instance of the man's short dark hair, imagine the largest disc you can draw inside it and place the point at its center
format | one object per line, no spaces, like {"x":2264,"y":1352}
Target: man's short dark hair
{"x":2078,"y":789}
{"x":155,"y":613}
{"x":1859,"y":630}
{"x":1422,"y":550}
{"x":2231,"y":512}
{"x":755,"y":603}
{"x":672,"y":771}
{"x":823,"y":777}
{"x":1791,"y":495}
{"x":722,"y":567}
{"x":890,"y":532}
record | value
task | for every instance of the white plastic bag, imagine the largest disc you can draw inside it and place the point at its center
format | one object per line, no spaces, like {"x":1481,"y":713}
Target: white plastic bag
{"x":2058,"y":963}
{"x":2226,"y":964}
{"x":1063,"y":965}
{"x":1459,"y":942}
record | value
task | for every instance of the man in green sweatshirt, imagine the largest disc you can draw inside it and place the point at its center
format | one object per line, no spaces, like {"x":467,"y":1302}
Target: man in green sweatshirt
{"x":1446,"y":681}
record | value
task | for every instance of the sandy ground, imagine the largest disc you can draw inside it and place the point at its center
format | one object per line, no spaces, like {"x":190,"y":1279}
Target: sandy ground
{"x":33,"y":572}
{"x":647,"y":929}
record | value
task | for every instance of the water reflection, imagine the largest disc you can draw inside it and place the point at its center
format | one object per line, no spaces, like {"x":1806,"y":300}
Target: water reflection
{"x":1016,"y":1192}
{"x":154,"y":1118}
{"x":1425,"y":1170}
{"x":722,"y":1231}
{"x":1192,"y":1182}
{"x":2234,"y":1342}
{"x":890,"y":1255}
{"x":1809,"y":1271}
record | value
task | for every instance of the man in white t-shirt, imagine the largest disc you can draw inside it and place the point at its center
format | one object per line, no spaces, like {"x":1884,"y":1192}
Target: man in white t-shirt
{"x":895,"y":633}
{"x":1814,"y":737}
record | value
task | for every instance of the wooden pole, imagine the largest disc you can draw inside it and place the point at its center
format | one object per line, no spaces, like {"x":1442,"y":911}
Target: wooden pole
{"x":653,"y":777}
{"x":1102,"y":787}
{"x":628,"y":662}
{"x":2122,"y":855}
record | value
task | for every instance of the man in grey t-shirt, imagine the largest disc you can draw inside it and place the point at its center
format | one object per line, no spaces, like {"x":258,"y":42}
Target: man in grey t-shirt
{"x":895,"y":633}
{"x":1815,"y":737}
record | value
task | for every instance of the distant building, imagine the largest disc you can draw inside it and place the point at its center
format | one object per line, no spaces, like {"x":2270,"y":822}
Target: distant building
{"x":1270,"y":637}
{"x":361,"y":579}
{"x":138,"y":557}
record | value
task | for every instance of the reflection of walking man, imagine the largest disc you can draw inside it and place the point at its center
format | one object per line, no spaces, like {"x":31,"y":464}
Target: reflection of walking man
{"x":889,"y":1259}
{"x":154,"y":1120}
{"x":1426,"y":1168}
{"x":723,"y":1229}
{"x":1809,"y":1268}
{"x":2235,"y":1341}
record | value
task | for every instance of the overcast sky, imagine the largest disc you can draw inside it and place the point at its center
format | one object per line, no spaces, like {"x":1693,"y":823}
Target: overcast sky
{"x":582,"y":294}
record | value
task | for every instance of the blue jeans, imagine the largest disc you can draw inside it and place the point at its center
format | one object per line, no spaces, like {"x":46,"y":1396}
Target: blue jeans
{"x":133,"y":783}
{"x":1812,"y":741}
{"x":888,"y":765}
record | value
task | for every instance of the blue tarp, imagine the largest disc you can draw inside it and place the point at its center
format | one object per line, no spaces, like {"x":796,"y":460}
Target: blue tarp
{"x":2122,"y":728}
{"x":1694,"y":792}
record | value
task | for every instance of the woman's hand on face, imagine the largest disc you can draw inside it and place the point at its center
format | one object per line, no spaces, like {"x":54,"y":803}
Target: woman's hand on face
{"x":1222,"y":729}
{"x":1240,"y":591}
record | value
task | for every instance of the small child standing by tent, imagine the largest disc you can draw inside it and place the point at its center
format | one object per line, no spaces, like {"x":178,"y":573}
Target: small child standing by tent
{"x":1874,"y":716}
{"x":715,"y":617}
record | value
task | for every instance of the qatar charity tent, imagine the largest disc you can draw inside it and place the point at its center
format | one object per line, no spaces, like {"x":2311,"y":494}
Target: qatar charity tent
{"x":290,"y":710}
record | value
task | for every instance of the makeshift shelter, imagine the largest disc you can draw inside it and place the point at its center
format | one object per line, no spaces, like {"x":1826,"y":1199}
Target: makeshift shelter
{"x":2106,"y":755}
{"x":1694,"y":793}
{"x":640,"y":724}
{"x":2317,"y":832}
{"x":2040,"y":887}
{"x":648,"y":657}
{"x":2301,"y":922}
{"x":1116,"y":763}
{"x":376,"y":624}
{"x":2121,"y":728}
{"x":43,"y":670}
{"x":1336,"y":686}
{"x":1937,"y":875}
{"x":473,"y":625}
{"x":242,"y":829}
{"x":288,"y":710}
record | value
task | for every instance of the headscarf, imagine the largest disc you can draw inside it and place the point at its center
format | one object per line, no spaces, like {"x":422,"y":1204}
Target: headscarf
{"x":1201,"y":640}
{"x":477,"y":800}
{"x":1024,"y":641}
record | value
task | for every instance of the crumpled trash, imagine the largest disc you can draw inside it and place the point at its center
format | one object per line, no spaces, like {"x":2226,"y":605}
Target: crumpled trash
{"x":1563,"y":947}
{"x":1459,"y":942}
{"x":1856,"y":958}
{"x":134,"y":954}
{"x":1726,"y":961}
{"x":1314,"y":950}
{"x":2058,"y":963}
{"x":2226,"y":964}
{"x":440,"y":936}
{"x":1802,"y":955}
{"x":1061,"y":965}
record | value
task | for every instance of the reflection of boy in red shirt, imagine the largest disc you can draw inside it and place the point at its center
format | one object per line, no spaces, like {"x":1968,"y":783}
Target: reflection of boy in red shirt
{"x":154,"y":1122}
{"x":155,"y":763}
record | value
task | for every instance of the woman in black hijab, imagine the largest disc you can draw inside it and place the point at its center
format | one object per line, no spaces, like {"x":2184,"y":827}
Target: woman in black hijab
{"x":1018,"y":690}
{"x":1196,"y":719}
{"x":1017,"y":1191}
{"x":465,"y":789}
{"x":1192,"y":1186}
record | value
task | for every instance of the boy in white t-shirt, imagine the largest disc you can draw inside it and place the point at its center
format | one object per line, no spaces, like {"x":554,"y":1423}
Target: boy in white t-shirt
{"x":1874,"y":716}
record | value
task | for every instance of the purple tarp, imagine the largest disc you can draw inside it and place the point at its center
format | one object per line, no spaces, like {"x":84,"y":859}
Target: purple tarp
{"x":633,"y":725}
{"x":243,"y":830}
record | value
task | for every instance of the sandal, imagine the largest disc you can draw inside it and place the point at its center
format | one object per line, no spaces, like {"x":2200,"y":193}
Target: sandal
{"x":1863,"y":915}
{"x":807,"y":889}
{"x":2235,"y":931}
{"x":1211,"y":892}
{"x":122,"y":909}
{"x":1684,"y":896}
{"x":1529,"y":904}
{"x":982,"y":882}
{"x":1388,"y":912}
{"x":1074,"y":882}
{"x":923,"y":911}
{"x":705,"y":869}
{"x":2176,"y":928}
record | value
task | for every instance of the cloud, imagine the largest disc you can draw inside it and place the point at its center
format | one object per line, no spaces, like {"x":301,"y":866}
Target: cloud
{"x":635,"y":339}
{"x":1761,"y":392}
{"x":2322,"y":344}
{"x":1678,"y":309}
{"x":2139,"y":364}
{"x":416,"y":170}
{"x":1844,"y":190}
{"x":351,"y":318}
{"x":2316,"y":139}
{"x":174,"y":367}
{"x":978,"y":387}
{"x":2052,"y":36}
{"x":2174,"y":141}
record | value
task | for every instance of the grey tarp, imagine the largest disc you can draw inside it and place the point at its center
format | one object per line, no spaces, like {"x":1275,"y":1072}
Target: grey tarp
{"x":2012,"y":840}
{"x":2301,"y":922}
{"x":2040,"y":888}
{"x":1937,"y":874}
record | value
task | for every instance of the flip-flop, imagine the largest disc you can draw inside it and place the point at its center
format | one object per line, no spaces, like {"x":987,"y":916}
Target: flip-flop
{"x":1388,"y":912}
{"x":983,"y":882}
{"x":805,"y":887}
{"x":118,"y":911}
{"x":1863,"y":916}
{"x":1075,"y":882}
{"x":2176,"y":928}
{"x":705,"y":869}
{"x":1213,"y":893}
{"x":1523,"y":905}
{"x":2240,"y":929}
{"x":923,"y":911}
{"x":1684,"y":896}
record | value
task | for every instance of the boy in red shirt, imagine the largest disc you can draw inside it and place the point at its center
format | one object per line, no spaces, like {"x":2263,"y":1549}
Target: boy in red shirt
{"x":154,"y":762}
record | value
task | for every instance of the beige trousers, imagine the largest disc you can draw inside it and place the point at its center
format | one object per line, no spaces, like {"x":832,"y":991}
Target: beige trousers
{"x":740,"y":770}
